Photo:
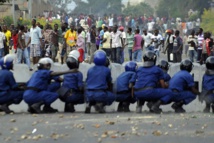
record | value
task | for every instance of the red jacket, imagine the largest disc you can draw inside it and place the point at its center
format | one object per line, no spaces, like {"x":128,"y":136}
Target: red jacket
{"x":15,"y":41}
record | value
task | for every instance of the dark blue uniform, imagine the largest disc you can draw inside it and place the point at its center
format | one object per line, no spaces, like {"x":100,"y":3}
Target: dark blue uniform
{"x":208,"y":85}
{"x":97,"y":81}
{"x":123,"y":90}
{"x":41,"y":89}
{"x":146,"y":85}
{"x":74,"y":81}
{"x":8,"y":94}
{"x":166,"y":77}
{"x":181,"y":83}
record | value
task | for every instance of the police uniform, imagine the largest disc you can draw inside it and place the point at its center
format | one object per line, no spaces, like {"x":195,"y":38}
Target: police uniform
{"x":146,"y":85}
{"x":97,"y":81}
{"x":40,"y":88}
{"x":180,"y":84}
{"x":208,"y":85}
{"x":74,"y":81}
{"x":8,"y":94}
{"x":123,"y":90}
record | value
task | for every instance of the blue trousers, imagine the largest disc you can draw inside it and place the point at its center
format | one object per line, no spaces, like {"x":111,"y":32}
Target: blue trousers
{"x":75,"y":98}
{"x":47,"y":96}
{"x":186,"y":96}
{"x":23,"y":53}
{"x":105,"y":97}
{"x":1,"y":52}
{"x":138,"y":55}
{"x":14,"y":97}
{"x":130,"y":54}
{"x":165,"y":95}
{"x":125,"y":97}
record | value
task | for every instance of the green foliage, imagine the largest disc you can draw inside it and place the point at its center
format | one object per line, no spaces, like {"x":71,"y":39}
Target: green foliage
{"x":208,"y":20}
{"x":138,"y":10}
{"x":179,"y":8}
{"x":8,"y":20}
{"x":44,"y":22}
{"x":3,"y":1}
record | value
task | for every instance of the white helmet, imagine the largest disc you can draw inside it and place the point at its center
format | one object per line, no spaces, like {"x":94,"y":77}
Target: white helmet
{"x":44,"y":61}
{"x":74,"y":54}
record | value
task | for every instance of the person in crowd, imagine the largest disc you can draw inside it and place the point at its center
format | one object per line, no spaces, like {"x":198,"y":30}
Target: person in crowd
{"x":177,"y":48}
{"x":2,"y":43}
{"x":168,"y":44}
{"x":8,"y":36}
{"x":193,"y":42}
{"x":206,"y":48}
{"x":200,"y":41}
{"x":130,"y":42}
{"x":137,"y":46}
{"x":147,"y":40}
{"x":80,"y":45}
{"x":106,"y":42}
{"x":157,"y":41}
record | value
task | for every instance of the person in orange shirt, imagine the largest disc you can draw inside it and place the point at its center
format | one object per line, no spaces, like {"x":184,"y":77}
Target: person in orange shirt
{"x":70,"y":39}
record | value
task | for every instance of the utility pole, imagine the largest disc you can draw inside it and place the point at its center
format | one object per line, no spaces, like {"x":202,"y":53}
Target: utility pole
{"x":13,"y":12}
{"x":30,"y":8}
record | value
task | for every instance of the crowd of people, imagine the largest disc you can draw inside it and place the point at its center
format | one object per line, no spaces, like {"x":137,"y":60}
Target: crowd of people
{"x":85,"y":40}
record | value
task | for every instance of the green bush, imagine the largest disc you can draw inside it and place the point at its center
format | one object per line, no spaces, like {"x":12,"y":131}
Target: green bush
{"x":7,"y":20}
{"x":208,"y":20}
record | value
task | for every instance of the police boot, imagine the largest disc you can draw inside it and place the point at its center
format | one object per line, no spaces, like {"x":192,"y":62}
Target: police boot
{"x":178,"y":107}
{"x":156,"y":107}
{"x":120,"y":107}
{"x":126,"y":107}
{"x":49,"y":109}
{"x":139,"y":106}
{"x":69,"y":108}
{"x":88,"y":108}
{"x":207,"y":108}
{"x":99,"y":107}
{"x":5,"y":108}
{"x":149,"y":105}
{"x":36,"y":108}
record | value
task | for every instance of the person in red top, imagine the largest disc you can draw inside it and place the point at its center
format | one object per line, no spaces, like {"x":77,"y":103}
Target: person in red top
{"x":15,"y":39}
{"x":206,"y":46}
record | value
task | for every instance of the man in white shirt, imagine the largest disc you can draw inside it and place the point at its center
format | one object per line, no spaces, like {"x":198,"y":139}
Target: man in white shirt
{"x":157,"y":41}
{"x":150,"y":26}
{"x":116,"y":44}
{"x":124,"y":41}
{"x":147,"y":40}
{"x":111,"y":21}
{"x":35,"y":42}
{"x":2,"y":41}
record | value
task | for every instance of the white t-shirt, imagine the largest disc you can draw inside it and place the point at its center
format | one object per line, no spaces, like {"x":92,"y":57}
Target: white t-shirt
{"x":150,"y":26}
{"x":116,"y":39}
{"x":110,"y":22}
{"x":2,"y":38}
{"x":35,"y":34}
{"x":147,"y":39}
{"x":27,"y":36}
{"x":88,"y":35}
{"x":157,"y":39}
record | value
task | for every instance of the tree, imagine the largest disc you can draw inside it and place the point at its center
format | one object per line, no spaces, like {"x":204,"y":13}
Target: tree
{"x":59,"y":4}
{"x":98,"y":6}
{"x":179,"y":8}
{"x":4,"y":1}
{"x":138,"y":10}
{"x":208,"y":20}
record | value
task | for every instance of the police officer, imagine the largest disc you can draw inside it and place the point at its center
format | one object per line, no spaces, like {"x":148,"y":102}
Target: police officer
{"x":125,"y":84}
{"x":164,"y":65}
{"x":71,"y":91}
{"x":183,"y":86}
{"x":40,"y":90}
{"x":10,"y":91}
{"x":146,"y":85}
{"x":98,"y":83}
{"x":207,"y":94}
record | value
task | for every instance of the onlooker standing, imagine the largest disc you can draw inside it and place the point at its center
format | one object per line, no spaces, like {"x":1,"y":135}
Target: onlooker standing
{"x":54,"y":45}
{"x":138,"y":47}
{"x":157,"y":41}
{"x":15,"y":40}
{"x":8,"y":36}
{"x":80,"y":45}
{"x":193,"y":42}
{"x":116,"y":44}
{"x":147,"y":39}
{"x":200,"y":40}
{"x":130,"y":41}
{"x":168,"y":44}
{"x":27,"y":37}
{"x":35,"y":41}
{"x":70,"y":39}
{"x":124,"y":40}
{"x":106,"y":42}
{"x":88,"y":41}
{"x":22,"y":50}
{"x":2,"y":42}
{"x":207,"y":45}
{"x":177,"y":48}
{"x":93,"y":43}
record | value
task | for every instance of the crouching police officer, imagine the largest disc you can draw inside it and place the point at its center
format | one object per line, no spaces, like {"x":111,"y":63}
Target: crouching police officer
{"x":10,"y":91}
{"x":40,"y":91}
{"x":146,"y":88}
{"x":183,"y":86}
{"x":125,"y":83}
{"x":98,"y":84}
{"x":207,"y":94}
{"x":71,"y":91}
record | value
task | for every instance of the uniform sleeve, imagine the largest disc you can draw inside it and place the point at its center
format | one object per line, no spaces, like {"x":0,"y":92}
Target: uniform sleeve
{"x":160,"y":74}
{"x":167,"y":77}
{"x":80,"y":79}
{"x":133,"y":78}
{"x":11,"y":81}
{"x":190,"y":81}
{"x":109,"y":78}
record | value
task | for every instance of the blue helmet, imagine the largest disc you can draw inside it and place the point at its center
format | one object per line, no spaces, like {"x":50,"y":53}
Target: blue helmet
{"x":7,"y":62}
{"x":131,"y":66}
{"x":100,"y":58}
